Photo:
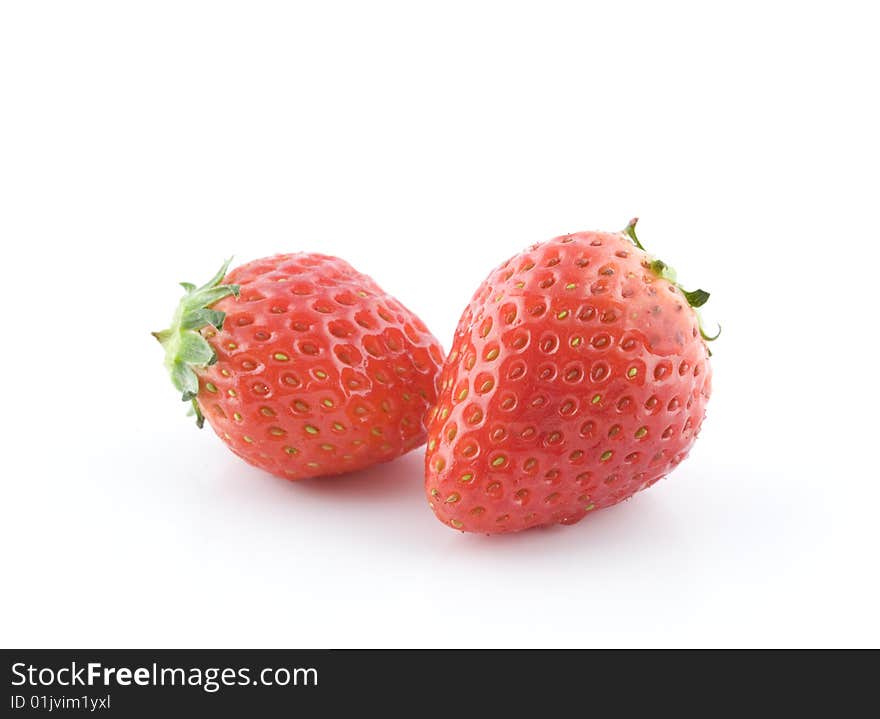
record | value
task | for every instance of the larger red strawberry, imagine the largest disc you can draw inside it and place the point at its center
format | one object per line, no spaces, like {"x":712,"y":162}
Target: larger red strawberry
{"x":578,"y":376}
{"x":303,"y":366}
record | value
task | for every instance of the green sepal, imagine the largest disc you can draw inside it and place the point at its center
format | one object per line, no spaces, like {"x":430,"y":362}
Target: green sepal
{"x":218,"y":276}
{"x":185,"y":380}
{"x":194,"y":349}
{"x":695,"y":299}
{"x":196,"y":319}
{"x":196,"y":411}
{"x":185,"y":348}
{"x":707,"y":337}
{"x":208,"y":296}
{"x":630,"y":231}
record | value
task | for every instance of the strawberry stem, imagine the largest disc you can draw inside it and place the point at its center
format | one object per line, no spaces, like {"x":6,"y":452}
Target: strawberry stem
{"x":185,"y":348}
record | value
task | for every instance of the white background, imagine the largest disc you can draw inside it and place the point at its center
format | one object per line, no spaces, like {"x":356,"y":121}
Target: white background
{"x":140,"y":143}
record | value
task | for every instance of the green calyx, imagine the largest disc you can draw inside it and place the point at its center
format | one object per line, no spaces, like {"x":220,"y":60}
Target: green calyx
{"x":696,"y":298}
{"x":184,"y":346}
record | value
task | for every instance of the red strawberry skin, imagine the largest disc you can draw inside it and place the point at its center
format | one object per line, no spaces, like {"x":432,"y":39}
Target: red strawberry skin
{"x":318,"y":371}
{"x":577,"y":377}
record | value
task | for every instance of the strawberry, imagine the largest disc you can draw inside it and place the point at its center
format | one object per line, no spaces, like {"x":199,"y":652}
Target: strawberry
{"x":579,"y":375}
{"x":303,"y":366}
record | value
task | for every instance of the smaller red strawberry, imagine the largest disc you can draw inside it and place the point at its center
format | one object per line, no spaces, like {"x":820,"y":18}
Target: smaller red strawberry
{"x":578,"y":375}
{"x":303,"y":366}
